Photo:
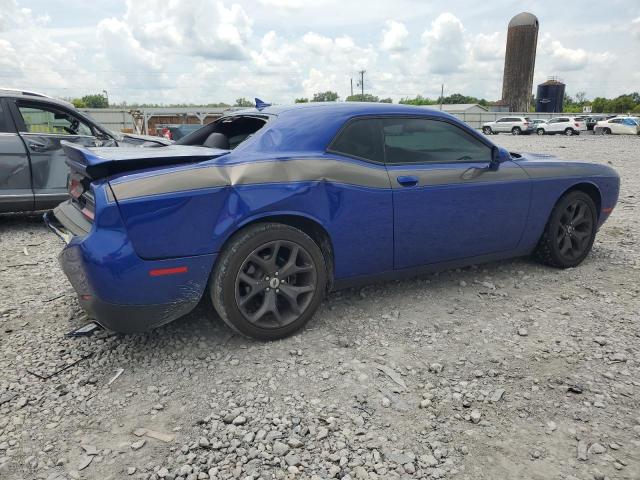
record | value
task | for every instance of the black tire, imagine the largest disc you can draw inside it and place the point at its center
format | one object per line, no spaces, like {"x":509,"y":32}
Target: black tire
{"x":516,"y":131}
{"x":243,"y":267}
{"x":540,"y":131}
{"x":572,"y":220}
{"x":606,"y":131}
{"x":487,"y":130}
{"x":568,"y":132}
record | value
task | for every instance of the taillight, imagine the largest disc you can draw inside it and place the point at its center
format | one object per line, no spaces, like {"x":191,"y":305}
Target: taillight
{"x":88,"y":213}
{"x":76,"y":189}
{"x":577,"y":125}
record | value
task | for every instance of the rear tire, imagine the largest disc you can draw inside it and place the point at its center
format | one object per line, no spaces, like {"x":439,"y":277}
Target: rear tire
{"x":487,"y":130}
{"x":570,"y":231}
{"x":516,"y":131}
{"x":269,"y":281}
{"x":568,"y":132}
{"x":540,"y":131}
{"x":606,"y":131}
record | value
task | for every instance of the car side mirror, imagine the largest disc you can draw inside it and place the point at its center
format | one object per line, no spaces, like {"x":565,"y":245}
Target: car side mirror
{"x":498,"y":155}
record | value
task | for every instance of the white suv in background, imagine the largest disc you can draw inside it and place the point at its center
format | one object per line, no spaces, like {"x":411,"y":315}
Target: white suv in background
{"x":565,"y":125}
{"x":513,"y":125}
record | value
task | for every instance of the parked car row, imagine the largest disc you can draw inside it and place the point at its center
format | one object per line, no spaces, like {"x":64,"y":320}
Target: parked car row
{"x":565,"y":125}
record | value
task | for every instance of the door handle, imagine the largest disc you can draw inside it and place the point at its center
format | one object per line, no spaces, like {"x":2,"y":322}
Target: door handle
{"x":36,"y":146}
{"x":407,"y":180}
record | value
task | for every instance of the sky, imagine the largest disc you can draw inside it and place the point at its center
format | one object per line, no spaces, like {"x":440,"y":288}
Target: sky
{"x":208,"y":51}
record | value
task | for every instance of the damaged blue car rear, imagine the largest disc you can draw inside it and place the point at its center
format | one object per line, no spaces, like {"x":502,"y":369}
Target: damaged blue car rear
{"x":266,"y":210}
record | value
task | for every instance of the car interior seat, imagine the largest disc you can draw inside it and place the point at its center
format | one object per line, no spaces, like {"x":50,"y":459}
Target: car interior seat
{"x":217,"y":140}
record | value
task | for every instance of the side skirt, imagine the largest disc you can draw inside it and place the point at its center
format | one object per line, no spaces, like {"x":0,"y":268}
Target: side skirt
{"x":349,"y":282}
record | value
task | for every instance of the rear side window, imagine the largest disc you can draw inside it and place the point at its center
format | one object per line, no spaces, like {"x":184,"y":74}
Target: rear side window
{"x":420,"y":140}
{"x":361,"y":139}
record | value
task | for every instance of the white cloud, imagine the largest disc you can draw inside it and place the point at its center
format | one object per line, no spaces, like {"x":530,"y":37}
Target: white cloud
{"x":635,"y":28}
{"x":283,"y":4}
{"x":564,"y":59}
{"x":488,"y":47}
{"x":444,"y":49}
{"x":207,"y":28}
{"x":394,"y":36}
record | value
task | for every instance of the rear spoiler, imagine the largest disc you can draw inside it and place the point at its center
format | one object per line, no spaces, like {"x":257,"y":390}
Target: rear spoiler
{"x":101,"y":162}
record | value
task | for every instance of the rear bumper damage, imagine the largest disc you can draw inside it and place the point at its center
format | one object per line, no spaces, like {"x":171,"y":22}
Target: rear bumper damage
{"x":116,"y":287}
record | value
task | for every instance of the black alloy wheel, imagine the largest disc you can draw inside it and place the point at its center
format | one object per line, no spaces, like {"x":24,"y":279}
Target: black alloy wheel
{"x":275,"y":284}
{"x":268,"y":281}
{"x":570,"y":232}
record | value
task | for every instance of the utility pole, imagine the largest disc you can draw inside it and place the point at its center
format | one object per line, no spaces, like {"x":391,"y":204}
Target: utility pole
{"x":361,"y":83}
{"x":106,"y":96}
{"x":352,"y":87}
{"x":441,"y":95}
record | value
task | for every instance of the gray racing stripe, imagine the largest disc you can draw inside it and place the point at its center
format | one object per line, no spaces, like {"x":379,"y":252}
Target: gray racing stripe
{"x":452,"y":176}
{"x":253,"y":173}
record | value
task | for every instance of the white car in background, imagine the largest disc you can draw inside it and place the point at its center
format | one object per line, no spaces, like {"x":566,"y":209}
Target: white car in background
{"x":564,"y":125}
{"x":513,"y":125}
{"x":619,"y":126}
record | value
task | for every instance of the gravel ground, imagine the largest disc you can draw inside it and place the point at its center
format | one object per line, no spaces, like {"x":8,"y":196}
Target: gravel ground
{"x":506,"y":370}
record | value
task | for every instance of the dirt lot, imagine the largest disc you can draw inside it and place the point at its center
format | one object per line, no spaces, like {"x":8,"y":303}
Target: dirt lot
{"x":502,"y":371}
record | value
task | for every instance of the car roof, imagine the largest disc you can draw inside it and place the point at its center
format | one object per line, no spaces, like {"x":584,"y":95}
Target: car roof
{"x":29,"y":95}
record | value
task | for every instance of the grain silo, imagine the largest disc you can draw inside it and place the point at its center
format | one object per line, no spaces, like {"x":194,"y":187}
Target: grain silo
{"x":519,"y":61}
{"x":550,"y":96}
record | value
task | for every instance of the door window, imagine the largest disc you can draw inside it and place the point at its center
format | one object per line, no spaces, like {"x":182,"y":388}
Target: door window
{"x":419,"y":140}
{"x":360,"y":139}
{"x":3,"y":123}
{"x":40,"y":119}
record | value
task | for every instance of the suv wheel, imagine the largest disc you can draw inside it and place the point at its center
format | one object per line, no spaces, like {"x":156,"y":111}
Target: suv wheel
{"x":516,"y":131}
{"x":540,"y":131}
{"x":268,"y":281}
{"x":568,"y":132}
{"x":606,"y":131}
{"x":487,"y":130}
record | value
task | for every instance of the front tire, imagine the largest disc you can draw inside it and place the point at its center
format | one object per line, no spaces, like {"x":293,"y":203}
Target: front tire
{"x":487,"y":130}
{"x":269,"y":281}
{"x":516,"y":131}
{"x":540,"y":131}
{"x":570,"y":231}
{"x":606,"y":131}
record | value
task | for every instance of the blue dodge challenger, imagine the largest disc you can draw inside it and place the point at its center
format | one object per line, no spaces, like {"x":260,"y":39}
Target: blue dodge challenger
{"x":266,"y":210}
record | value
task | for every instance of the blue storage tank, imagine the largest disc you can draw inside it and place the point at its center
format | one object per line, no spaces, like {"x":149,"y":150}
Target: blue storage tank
{"x":550,"y":96}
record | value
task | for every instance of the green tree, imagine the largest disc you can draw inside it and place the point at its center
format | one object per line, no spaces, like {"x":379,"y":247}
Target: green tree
{"x":600,"y":105}
{"x":419,"y":100}
{"x":385,"y":100}
{"x":78,"y":103}
{"x":91,"y":101}
{"x":367,"y":97}
{"x":301,"y":100}
{"x":327,"y":96}
{"x":243,"y":102}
